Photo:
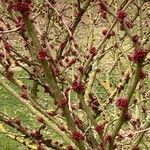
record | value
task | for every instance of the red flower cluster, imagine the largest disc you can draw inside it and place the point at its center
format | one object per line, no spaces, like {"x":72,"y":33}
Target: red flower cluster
{"x":36,"y":134}
{"x":127,"y":78}
{"x":103,"y":9}
{"x":24,"y":95}
{"x":20,"y":21}
{"x":105,"y":31}
{"x":93,"y":51}
{"x":122,"y":103}
{"x":108,"y":138}
{"x":40,"y":119}
{"x":103,"y":6}
{"x":71,"y":62}
{"x":80,"y":69}
{"x":1,"y":29}
{"x":40,"y":147}
{"x":120,"y":88}
{"x":17,"y":121}
{"x":62,"y":103}
{"x":135,"y":148}
{"x":42,"y":54}
{"x":121,"y":14}
{"x":7,"y":46}
{"x":9,"y":74}
{"x":52,"y":2}
{"x":142,"y":74}
{"x":22,"y":7}
{"x":120,"y":137}
{"x":78,"y":87}
{"x":2,"y":55}
{"x":100,"y":128}
{"x":62,"y":46}
{"x":127,"y":116}
{"x":103,"y":15}
{"x":70,"y":147}
{"x":100,"y":147}
{"x":137,"y":55}
{"x":9,"y":121}
{"x":127,"y":22}
{"x":94,"y":104}
{"x":56,"y":71}
{"x":51,"y":113}
{"x":135,"y":38}
{"x":62,"y":127}
{"x":77,"y":136}
{"x":78,"y":122}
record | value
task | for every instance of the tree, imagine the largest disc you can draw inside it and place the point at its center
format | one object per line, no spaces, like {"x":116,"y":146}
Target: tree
{"x":89,"y":59}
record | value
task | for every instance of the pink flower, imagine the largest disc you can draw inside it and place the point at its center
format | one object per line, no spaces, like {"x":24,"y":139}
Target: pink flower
{"x":80,"y":69}
{"x":62,"y":46}
{"x":2,"y":55}
{"x":77,"y":135}
{"x":135,"y":148}
{"x":9,"y":74}
{"x":56,"y":71}
{"x":17,"y":121}
{"x":24,"y":95}
{"x":122,"y":103}
{"x":135,"y":38}
{"x":99,"y":128}
{"x":19,"y":22}
{"x":103,"y":6}
{"x":127,"y":116}
{"x":40,"y":119}
{"x":7,"y":46}
{"x":78,"y":122}
{"x":71,"y":62}
{"x":121,"y":14}
{"x":142,"y":74}
{"x":137,"y":55}
{"x":62,"y":103}
{"x":62,"y":127}
{"x":42,"y":54}
{"x":108,"y":138}
{"x":105,"y":31}
{"x":128,"y":23}
{"x":1,"y":29}
{"x":93,"y":51}
{"x":23,"y":7}
{"x":70,"y":147}
{"x":40,"y":147}
{"x":78,"y":87}
{"x":103,"y":15}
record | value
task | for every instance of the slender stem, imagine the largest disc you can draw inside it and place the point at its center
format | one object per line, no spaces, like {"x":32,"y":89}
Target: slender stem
{"x":35,"y":111}
{"x":56,"y":92}
{"x":89,"y":113}
{"x":75,"y":24}
{"x":130,"y":92}
{"x":141,"y":135}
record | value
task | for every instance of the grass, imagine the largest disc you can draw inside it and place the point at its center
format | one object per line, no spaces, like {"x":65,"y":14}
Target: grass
{"x":13,"y":108}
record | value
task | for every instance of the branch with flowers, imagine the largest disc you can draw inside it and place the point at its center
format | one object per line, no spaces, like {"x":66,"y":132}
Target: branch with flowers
{"x":86,"y":67}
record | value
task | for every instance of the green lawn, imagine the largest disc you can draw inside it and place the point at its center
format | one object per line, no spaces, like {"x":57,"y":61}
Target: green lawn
{"x":13,"y":108}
